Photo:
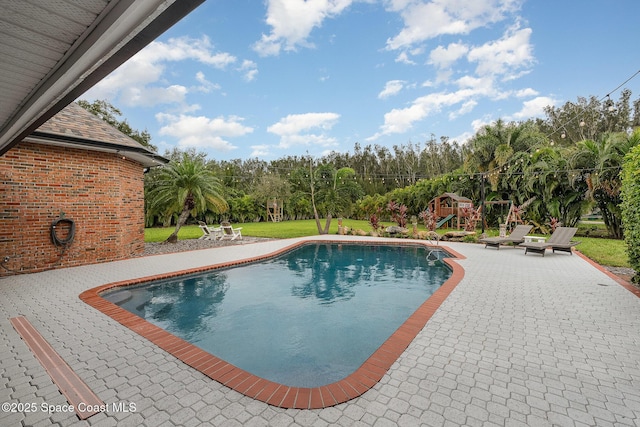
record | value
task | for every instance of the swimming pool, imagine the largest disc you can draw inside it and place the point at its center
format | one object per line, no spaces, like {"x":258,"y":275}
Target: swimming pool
{"x":307,"y":318}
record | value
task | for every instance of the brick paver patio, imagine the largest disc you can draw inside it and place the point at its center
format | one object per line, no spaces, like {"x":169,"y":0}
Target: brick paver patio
{"x":521,"y":341}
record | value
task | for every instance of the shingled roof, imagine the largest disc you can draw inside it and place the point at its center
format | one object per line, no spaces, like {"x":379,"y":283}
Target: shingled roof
{"x":76,"y":127}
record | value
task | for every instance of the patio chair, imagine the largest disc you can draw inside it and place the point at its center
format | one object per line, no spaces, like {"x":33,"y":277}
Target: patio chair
{"x":516,"y":236}
{"x":560,"y":240}
{"x":209,"y":233}
{"x":230,"y":233}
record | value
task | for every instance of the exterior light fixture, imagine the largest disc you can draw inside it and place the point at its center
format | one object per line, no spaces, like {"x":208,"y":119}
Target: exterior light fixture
{"x":609,"y":104}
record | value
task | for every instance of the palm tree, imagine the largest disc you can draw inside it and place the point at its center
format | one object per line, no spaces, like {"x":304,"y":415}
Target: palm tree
{"x":185,"y":187}
{"x":556,"y":195}
{"x":602,"y":161}
{"x":494,"y":146}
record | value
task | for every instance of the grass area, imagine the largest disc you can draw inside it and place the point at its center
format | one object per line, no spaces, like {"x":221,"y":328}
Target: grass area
{"x":277,"y":230}
{"x":159,"y":234}
{"x":603,"y":251}
{"x":610,"y":252}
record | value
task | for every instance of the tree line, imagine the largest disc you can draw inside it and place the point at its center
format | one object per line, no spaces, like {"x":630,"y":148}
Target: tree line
{"x":554,"y":168}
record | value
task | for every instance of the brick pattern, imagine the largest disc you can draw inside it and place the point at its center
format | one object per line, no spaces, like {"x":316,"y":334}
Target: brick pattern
{"x":520,"y":341}
{"x":102,"y":193}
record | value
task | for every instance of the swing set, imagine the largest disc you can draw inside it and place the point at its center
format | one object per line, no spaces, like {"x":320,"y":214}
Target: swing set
{"x":513,"y":215}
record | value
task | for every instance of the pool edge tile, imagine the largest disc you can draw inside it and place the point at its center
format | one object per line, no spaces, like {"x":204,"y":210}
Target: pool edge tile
{"x":359,"y":382}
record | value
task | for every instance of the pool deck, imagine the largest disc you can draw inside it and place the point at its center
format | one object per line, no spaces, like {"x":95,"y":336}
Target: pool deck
{"x":521,"y":341}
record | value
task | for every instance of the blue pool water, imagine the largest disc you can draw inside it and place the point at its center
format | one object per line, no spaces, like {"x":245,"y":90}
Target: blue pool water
{"x":307,"y":318}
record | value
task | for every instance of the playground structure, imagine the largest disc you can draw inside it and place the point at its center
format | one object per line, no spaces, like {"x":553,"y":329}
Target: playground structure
{"x":451,"y":210}
{"x":454,"y":211}
{"x":275,"y":210}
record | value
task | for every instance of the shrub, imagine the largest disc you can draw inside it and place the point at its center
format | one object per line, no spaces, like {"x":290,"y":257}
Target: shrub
{"x":470,"y":238}
{"x":429,"y":219}
{"x":630,"y":211}
{"x":473,"y":216}
{"x":398,"y":213}
{"x":374,"y":221}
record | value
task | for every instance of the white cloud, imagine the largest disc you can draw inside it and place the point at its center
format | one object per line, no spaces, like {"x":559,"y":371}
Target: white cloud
{"x":479,"y":85}
{"x":205,"y":85}
{"x":292,"y":21}
{"x":260,"y":151}
{"x":401,"y":120}
{"x":182,"y":48}
{"x":203,"y":132}
{"x":495,"y":61}
{"x":424,"y":20}
{"x":392,"y":87}
{"x":443,"y":57}
{"x":525,"y":93}
{"x":150,"y":96}
{"x":466,"y":108}
{"x":295,"y":129}
{"x":534,"y":108}
{"x":403,"y":58}
{"x":250,"y":70}
{"x":505,"y":56}
{"x":479,"y":124}
{"x":141,"y":81}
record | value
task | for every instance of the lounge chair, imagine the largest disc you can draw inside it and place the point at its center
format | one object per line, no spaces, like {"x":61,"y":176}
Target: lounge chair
{"x":560,"y":240}
{"x":516,"y":236}
{"x":228,"y":232}
{"x":209,"y":233}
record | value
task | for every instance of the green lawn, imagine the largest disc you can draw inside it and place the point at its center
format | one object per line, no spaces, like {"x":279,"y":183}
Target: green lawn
{"x":277,"y":230}
{"x":603,"y":251}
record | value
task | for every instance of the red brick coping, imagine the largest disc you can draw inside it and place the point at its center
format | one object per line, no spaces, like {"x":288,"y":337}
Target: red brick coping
{"x":354,"y":385}
{"x":83,"y":400}
{"x":628,"y":286}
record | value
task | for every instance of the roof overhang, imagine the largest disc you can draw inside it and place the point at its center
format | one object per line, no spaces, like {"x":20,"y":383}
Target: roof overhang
{"x":141,"y":155}
{"x":118,"y":30}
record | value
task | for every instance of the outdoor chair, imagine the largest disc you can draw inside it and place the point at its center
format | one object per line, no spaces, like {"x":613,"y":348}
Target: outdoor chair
{"x":516,"y":237}
{"x":230,"y":233}
{"x":209,"y":233}
{"x":560,"y":240}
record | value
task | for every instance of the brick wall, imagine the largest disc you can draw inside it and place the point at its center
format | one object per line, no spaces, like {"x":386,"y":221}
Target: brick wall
{"x":101,"y":192}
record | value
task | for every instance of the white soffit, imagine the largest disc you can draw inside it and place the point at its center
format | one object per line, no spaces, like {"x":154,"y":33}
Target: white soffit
{"x":52,"y":51}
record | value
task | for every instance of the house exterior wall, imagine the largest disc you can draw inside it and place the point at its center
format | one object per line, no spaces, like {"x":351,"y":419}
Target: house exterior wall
{"x":101,"y":192}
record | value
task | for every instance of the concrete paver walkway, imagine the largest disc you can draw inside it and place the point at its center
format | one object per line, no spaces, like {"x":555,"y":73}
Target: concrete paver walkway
{"x":521,"y":341}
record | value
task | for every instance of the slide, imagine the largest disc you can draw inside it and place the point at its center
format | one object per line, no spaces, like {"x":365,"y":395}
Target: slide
{"x":444,"y":220}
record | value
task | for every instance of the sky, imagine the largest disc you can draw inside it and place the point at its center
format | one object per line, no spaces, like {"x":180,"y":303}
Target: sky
{"x":267,"y":79}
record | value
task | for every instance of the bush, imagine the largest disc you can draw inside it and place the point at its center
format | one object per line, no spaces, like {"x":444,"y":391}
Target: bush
{"x":630,"y":211}
{"x":470,"y":238}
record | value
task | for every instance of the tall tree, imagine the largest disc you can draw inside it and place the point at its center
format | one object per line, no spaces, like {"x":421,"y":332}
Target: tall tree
{"x":589,"y":118}
{"x":494,"y":145}
{"x":601,"y":162}
{"x":556,"y":197}
{"x":110,"y":114}
{"x":332,"y":192}
{"x":186,"y":187}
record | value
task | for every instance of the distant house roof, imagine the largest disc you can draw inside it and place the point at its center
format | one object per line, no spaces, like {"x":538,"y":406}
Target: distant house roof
{"x":76,"y":127}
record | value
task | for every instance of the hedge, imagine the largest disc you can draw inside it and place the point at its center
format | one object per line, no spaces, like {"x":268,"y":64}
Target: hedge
{"x":631,"y":207}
